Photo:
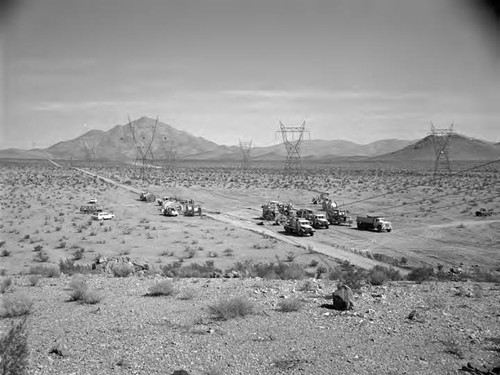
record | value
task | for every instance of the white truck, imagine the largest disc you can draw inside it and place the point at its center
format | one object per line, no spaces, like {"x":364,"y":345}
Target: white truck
{"x":299,"y":226}
{"x":377,"y":223}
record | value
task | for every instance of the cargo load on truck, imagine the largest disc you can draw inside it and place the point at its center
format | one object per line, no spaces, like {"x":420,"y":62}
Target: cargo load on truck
{"x":377,"y":223}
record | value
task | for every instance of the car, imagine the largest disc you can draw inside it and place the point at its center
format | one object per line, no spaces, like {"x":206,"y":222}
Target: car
{"x":102,"y":216}
{"x":92,"y":201}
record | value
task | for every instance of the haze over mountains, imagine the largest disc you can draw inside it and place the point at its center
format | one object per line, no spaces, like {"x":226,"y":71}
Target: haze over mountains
{"x":119,"y":143}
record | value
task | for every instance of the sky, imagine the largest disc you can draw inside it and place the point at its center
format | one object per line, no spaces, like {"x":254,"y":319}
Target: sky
{"x":231,"y":70}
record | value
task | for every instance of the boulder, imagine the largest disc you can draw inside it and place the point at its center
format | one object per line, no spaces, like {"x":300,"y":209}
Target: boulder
{"x":342,"y":298}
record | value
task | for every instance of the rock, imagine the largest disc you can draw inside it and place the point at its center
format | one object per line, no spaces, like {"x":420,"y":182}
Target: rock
{"x":342,"y":298}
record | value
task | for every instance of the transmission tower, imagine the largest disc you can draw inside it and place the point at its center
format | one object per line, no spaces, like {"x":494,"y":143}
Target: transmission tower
{"x":292,"y":139}
{"x":245,"y":148}
{"x":88,"y":145}
{"x":88,"y":148}
{"x":143,"y":153}
{"x":441,"y":141}
{"x":170,"y":154}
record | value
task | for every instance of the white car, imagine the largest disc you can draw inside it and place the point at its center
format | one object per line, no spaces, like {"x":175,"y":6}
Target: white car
{"x":102,"y":216}
{"x":92,"y":201}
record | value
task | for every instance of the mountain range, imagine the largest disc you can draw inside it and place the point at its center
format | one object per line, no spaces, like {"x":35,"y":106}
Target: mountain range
{"x":125,"y":142}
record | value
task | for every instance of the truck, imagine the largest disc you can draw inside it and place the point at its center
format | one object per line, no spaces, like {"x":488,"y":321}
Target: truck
{"x":377,"y":223}
{"x":169,"y":211}
{"x":319,"y":221}
{"x":304,"y":213}
{"x":484,"y":212}
{"x":338,"y":217}
{"x":299,"y":226}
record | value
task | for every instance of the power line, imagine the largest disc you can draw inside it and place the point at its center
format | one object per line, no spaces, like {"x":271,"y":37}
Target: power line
{"x":420,"y":184}
{"x":435,"y":197}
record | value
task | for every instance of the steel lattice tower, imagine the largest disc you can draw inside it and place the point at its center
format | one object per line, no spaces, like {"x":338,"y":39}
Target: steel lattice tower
{"x":292,"y":139}
{"x":245,"y":148}
{"x":144,"y":155}
{"x":441,"y":140}
{"x":88,"y":146}
{"x":170,"y":153}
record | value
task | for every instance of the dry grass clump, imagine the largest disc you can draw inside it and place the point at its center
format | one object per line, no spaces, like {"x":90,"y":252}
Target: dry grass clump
{"x":80,"y":292}
{"x":5,"y":284}
{"x":14,"y":353}
{"x":380,"y":274}
{"x":231,"y":308}
{"x":187,"y":294}
{"x":45,"y":270}
{"x":33,"y":280}
{"x":289,"y":305}
{"x":162,"y":288}
{"x":16,"y":305}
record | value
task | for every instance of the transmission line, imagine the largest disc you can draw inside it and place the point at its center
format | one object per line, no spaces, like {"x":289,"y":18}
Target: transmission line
{"x":420,"y":184}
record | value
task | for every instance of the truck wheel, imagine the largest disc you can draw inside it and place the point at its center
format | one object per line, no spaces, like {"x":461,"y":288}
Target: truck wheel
{"x":389,"y":230}
{"x":327,"y":226}
{"x":379,"y":228}
{"x":312,"y":234}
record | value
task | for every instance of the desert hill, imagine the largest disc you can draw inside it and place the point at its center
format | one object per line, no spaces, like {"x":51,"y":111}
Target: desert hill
{"x":460,"y":147}
{"x":118,"y":144}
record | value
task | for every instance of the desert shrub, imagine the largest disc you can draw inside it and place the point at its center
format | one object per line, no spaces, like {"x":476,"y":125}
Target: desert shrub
{"x":176,"y":269}
{"x":289,"y":305}
{"x":5,"y":284}
{"x":80,"y":292}
{"x":486,"y":276}
{"x":33,"y":280}
{"x":122,"y":270}
{"x":68,"y":267}
{"x":290,"y":257}
{"x":14,"y":352}
{"x":162,"y":288}
{"x":16,"y":305}
{"x":5,"y":253}
{"x":313,"y":263}
{"x":41,"y":256}
{"x":380,"y":274}
{"x":187,"y":294}
{"x":37,"y":248}
{"x":278,"y":270}
{"x":420,"y":274}
{"x":231,"y":308}
{"x":78,"y":254}
{"x":308,"y":286}
{"x":46,"y":271}
{"x":349,"y":275}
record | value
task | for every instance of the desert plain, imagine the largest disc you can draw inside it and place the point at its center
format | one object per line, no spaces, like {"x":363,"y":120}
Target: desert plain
{"x":420,"y":326}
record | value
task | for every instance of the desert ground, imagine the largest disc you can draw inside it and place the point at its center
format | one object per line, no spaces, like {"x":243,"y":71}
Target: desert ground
{"x":434,"y":226}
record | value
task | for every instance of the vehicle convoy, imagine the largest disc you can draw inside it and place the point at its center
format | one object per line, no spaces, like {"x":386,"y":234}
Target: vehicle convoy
{"x":299,"y":226}
{"x":338,"y":217}
{"x":484,"y":212}
{"x":377,"y":223}
{"x":319,"y":221}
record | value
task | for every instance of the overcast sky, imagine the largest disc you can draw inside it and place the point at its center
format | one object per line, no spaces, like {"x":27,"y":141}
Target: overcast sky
{"x":227,"y":70}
